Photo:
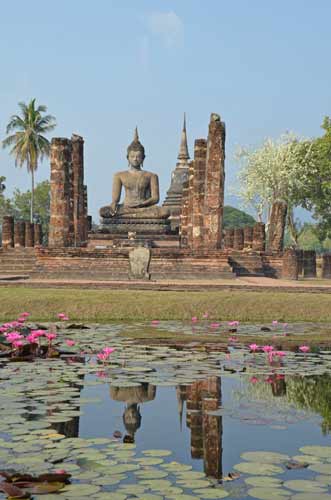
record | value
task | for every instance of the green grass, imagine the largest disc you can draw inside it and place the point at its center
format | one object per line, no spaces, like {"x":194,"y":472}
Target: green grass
{"x":130,"y":305}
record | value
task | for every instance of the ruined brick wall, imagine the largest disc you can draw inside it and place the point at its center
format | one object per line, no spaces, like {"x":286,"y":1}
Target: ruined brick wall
{"x":8,"y":231}
{"x":214,"y":184}
{"x":19,"y":234}
{"x":29,"y":234}
{"x":290,"y":264}
{"x":258,"y":243}
{"x":198,"y":194}
{"x":277,"y":227}
{"x":61,"y":194}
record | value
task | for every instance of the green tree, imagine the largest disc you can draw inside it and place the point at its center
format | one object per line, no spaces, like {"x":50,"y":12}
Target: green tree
{"x":20,"y":204}
{"x":233,"y":217}
{"x":28,"y":143}
{"x":315,"y":192}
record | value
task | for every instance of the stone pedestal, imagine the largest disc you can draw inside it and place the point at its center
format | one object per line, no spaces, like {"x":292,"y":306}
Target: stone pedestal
{"x":214,"y":184}
{"x":309,"y":264}
{"x":248,"y":237}
{"x":290,"y":264}
{"x":123,"y":226}
{"x":229,"y":238}
{"x":139,"y":260}
{"x":8,"y":231}
{"x":19,"y":234}
{"x":238,"y":239}
{"x":258,"y":237}
{"x":61,"y":187}
{"x":277,"y":227}
{"x":38,"y":234}
{"x":29,"y":234}
{"x":326,"y":266}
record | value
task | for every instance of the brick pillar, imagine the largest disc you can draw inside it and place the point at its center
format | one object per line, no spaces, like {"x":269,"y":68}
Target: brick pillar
{"x":248,"y":237}
{"x":29,"y":234}
{"x":190,"y":206}
{"x":309,"y":263}
{"x":198,"y":194}
{"x":8,"y":231}
{"x":38,"y":235}
{"x":229,"y":237}
{"x":214,"y":183}
{"x":79,"y":216}
{"x":85,"y":215}
{"x":290,"y":264}
{"x":61,"y":189}
{"x":238,"y":239}
{"x":89,"y":223}
{"x":326,"y":265}
{"x":19,"y":234}
{"x":259,"y":237}
{"x":277,"y":227}
{"x":183,"y":217}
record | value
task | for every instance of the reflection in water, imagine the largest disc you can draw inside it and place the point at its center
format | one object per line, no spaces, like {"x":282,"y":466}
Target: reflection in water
{"x":202,"y":397}
{"x":132,"y":396}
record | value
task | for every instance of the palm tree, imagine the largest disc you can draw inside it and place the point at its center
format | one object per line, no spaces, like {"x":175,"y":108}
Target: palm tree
{"x":28,"y":143}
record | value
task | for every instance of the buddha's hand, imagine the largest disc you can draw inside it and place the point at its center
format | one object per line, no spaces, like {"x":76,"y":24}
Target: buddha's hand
{"x":113,"y":208}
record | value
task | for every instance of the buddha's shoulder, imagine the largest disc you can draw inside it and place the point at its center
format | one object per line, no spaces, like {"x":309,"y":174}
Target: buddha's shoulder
{"x":121,"y":173}
{"x":149,"y":174}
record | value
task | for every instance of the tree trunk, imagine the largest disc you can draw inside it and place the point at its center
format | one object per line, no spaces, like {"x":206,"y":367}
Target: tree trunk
{"x":32,"y":194}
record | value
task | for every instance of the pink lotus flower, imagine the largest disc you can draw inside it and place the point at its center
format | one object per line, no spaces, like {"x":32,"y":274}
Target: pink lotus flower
{"x":233,"y":323}
{"x":275,"y":322}
{"x":205,"y":315}
{"x":254,"y":347}
{"x":13,"y":337}
{"x":70,"y":343}
{"x":280,"y":354}
{"x":17,"y":344}
{"x":32,"y":339}
{"x":24,"y":315}
{"x":63,"y":317}
{"x":38,"y":333}
{"x":304,"y":348}
{"x":253,"y":380}
{"x":232,"y":339}
{"x":108,"y":350}
{"x":50,"y":337}
{"x":155,"y":322}
{"x":194,"y":319}
{"x":102,"y":356}
{"x":60,"y":471}
{"x":267,"y":348}
{"x":214,"y":325}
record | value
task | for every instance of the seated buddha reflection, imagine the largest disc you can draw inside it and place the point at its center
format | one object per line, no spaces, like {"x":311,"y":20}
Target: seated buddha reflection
{"x":141,"y":189}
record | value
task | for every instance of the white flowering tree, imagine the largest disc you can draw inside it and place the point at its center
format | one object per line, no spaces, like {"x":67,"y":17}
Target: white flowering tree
{"x":276,"y":171}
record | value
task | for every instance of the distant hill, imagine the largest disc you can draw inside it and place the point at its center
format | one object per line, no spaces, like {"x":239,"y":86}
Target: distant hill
{"x":233,"y":217}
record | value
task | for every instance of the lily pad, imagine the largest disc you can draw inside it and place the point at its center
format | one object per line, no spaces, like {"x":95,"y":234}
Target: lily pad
{"x":269,"y":493}
{"x":318,"y":451}
{"x":212,"y":493}
{"x":266,"y":457}
{"x":256,"y":467}
{"x":304,"y":485}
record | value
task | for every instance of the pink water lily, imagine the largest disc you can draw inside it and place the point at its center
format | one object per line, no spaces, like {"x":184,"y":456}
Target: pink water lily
{"x":267,"y":348}
{"x":32,"y":339}
{"x":18,"y":343}
{"x":155,"y":322}
{"x":63,"y":317}
{"x":108,"y":350}
{"x":304,"y":348}
{"x":253,"y":380}
{"x":102,"y":356}
{"x":38,"y":333}
{"x":275,"y":322}
{"x":70,"y":342}
{"x":280,"y":354}
{"x":13,"y":337}
{"x":254,"y":347}
{"x":233,"y":323}
{"x":194,"y":319}
{"x":214,"y":325}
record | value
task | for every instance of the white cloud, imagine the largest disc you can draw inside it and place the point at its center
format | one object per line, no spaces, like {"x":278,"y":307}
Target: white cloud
{"x":167,"y":25}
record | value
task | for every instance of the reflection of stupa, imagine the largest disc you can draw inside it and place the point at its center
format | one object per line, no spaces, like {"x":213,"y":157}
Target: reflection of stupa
{"x":206,"y":430}
{"x":133,"y":396}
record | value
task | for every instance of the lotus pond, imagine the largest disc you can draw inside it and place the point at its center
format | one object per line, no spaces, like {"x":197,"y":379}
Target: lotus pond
{"x":91,"y":413}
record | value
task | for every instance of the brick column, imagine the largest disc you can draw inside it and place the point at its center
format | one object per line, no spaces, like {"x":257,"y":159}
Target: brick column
{"x":214,"y":183}
{"x":229,"y":237}
{"x":198,"y":194}
{"x":190,"y":206}
{"x":19,"y":234}
{"x":79,"y":217}
{"x":326,"y":265}
{"x":61,"y":176}
{"x":238,"y":239}
{"x":85,"y":215}
{"x":248,"y":237}
{"x":259,"y":237}
{"x":277,"y":227}
{"x":38,"y":234}
{"x":8,"y":231}
{"x":290,"y":264}
{"x":183,"y":217}
{"x":29,"y":234}
{"x":309,"y":263}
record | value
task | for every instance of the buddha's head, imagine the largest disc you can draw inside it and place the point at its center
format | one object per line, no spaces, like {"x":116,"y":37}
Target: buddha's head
{"x":136,"y":152}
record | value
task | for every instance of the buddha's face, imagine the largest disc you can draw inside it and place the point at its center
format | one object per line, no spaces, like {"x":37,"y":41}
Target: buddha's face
{"x":135,"y":158}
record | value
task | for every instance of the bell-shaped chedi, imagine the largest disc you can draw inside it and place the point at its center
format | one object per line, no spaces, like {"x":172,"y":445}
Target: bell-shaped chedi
{"x":179,"y":177}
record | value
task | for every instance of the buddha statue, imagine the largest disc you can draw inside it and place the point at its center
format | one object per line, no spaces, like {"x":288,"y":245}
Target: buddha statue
{"x":141,"y":190}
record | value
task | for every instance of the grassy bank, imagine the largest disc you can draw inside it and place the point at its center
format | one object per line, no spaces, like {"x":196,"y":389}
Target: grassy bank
{"x":130,"y":305}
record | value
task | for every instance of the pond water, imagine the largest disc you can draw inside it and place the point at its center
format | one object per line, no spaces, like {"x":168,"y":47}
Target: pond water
{"x":155,"y":422}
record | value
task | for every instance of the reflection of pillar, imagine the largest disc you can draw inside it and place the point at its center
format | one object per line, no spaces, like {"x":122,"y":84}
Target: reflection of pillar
{"x":206,"y":430}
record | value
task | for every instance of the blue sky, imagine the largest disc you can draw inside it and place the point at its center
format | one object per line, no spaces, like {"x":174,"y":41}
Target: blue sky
{"x":104,"y":67}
